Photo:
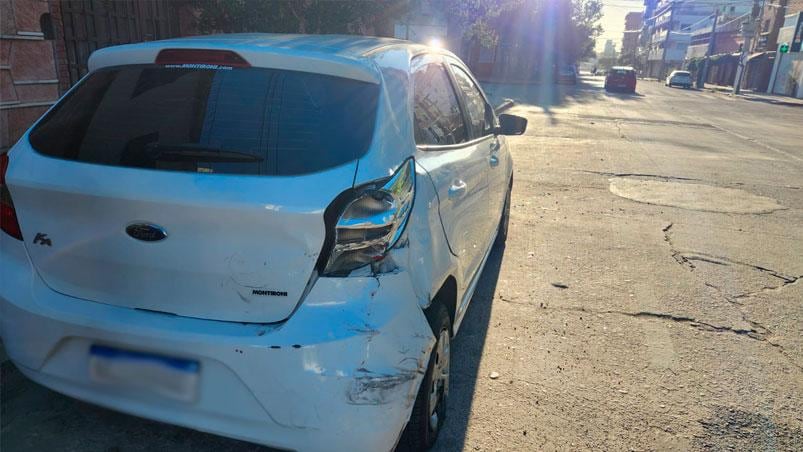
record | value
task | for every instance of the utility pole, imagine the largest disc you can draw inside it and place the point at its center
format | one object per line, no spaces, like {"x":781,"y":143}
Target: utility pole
{"x":749,"y":28}
{"x":701,"y":78}
{"x":662,"y":67}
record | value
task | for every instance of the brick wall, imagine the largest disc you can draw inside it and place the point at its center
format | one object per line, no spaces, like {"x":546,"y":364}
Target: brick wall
{"x":59,"y":49}
{"x":28,"y":79}
{"x":772,"y":19}
{"x":34,"y":66}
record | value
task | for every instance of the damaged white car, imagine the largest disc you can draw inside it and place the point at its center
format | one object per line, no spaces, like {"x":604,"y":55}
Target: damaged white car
{"x":267,"y":237}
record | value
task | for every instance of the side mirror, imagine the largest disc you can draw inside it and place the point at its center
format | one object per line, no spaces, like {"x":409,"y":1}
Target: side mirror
{"x":511,"y":125}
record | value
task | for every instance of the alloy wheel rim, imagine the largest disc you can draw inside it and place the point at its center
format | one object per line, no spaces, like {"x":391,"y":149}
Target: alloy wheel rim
{"x":440,"y":377}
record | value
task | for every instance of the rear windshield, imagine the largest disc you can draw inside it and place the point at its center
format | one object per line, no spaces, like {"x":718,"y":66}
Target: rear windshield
{"x":621,"y":71}
{"x":233,"y":121}
{"x":682,"y":74}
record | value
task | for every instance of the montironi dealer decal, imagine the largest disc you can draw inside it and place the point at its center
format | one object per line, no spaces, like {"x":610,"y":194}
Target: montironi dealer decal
{"x":198,"y":66}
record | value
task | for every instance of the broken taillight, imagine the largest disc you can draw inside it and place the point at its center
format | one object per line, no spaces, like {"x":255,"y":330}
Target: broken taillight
{"x":372,"y":222}
{"x":201,"y":56}
{"x":8,"y":216}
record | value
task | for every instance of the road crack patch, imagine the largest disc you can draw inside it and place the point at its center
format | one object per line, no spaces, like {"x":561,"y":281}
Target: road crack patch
{"x":691,"y":321}
{"x":757,"y":331}
{"x":700,"y":197}
{"x":646,"y":175}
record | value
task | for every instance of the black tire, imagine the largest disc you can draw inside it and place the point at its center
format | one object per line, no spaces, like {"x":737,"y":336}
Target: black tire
{"x":504,"y":221}
{"x":420,"y":434}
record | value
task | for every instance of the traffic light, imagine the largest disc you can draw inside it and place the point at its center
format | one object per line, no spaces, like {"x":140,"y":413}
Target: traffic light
{"x":784,"y":48}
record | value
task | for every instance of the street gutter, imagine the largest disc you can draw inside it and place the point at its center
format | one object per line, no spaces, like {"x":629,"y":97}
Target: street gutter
{"x":766,"y":98}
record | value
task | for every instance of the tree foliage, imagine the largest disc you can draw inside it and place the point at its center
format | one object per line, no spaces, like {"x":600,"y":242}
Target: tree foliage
{"x":478,"y":18}
{"x":586,"y":15}
{"x":298,"y":16}
{"x":566,"y":28}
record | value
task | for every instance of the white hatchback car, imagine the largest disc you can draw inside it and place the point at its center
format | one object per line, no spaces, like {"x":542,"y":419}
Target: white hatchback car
{"x":267,"y":237}
{"x":679,"y":78}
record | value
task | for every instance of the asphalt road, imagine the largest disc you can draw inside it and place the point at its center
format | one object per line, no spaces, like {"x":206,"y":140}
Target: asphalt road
{"x":648,"y":297}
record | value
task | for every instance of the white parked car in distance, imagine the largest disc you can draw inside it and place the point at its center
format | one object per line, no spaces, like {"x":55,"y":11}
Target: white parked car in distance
{"x":679,"y":78}
{"x":267,"y":237}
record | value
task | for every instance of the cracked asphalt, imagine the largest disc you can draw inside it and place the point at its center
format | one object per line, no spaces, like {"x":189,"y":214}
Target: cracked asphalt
{"x":648,"y":298}
{"x":674,"y":218}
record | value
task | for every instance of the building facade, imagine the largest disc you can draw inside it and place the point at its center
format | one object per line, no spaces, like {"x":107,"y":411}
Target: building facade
{"x":45,"y":46}
{"x":787,"y":72}
{"x":763,"y":54}
{"x":630,"y":38}
{"x":719,"y":44}
{"x":668,"y":30}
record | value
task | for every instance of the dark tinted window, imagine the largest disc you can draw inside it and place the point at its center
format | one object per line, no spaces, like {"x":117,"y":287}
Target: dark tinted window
{"x":438,"y":120}
{"x":241,"y":121}
{"x":620,"y":72}
{"x":480,"y":115}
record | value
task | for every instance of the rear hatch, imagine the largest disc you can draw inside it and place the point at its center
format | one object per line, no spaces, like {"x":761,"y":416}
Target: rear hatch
{"x":190,"y":189}
{"x":621,"y":77}
{"x":681,"y":78}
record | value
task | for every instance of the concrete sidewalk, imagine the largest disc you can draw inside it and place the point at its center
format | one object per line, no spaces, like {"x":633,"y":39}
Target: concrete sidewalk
{"x":756,"y":96}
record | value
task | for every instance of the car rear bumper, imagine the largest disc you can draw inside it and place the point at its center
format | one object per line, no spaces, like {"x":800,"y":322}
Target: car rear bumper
{"x":619,"y":86}
{"x":341,"y":374}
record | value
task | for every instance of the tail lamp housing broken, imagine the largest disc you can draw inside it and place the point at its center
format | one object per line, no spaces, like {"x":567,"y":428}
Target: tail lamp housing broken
{"x":371,"y":222}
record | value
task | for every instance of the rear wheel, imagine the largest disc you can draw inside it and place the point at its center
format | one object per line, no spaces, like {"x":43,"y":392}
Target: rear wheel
{"x":429,"y":411}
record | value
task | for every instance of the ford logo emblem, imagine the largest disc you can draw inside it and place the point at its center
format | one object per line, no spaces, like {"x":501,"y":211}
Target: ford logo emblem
{"x":146,"y":232}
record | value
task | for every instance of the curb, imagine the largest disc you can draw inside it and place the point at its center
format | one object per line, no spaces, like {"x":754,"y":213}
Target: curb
{"x":755,"y":98}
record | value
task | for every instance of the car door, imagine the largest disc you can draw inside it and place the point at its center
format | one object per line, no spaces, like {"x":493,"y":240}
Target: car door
{"x":481,"y":120}
{"x":457,"y":165}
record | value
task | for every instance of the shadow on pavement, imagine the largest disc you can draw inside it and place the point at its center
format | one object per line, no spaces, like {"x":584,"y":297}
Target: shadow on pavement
{"x":548,"y":95}
{"x":36,"y":418}
{"x":467,"y":349}
{"x":624,"y":95}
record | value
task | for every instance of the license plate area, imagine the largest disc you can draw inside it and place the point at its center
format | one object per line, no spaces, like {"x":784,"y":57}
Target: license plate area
{"x":170,"y":377}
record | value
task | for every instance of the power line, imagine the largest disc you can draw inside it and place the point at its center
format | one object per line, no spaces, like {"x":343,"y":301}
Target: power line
{"x":704,"y":2}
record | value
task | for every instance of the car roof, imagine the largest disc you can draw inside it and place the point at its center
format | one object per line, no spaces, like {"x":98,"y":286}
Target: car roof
{"x":622,"y":68}
{"x":351,"y":46}
{"x":340,"y":55}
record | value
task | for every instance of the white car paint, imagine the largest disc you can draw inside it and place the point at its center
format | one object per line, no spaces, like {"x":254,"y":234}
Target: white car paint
{"x":678,"y":78}
{"x":336,"y":364}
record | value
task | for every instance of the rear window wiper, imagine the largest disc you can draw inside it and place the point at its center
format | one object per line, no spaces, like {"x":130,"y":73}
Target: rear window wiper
{"x":197,"y":153}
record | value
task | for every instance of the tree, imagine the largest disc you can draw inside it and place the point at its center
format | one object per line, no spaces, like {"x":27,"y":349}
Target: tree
{"x":586,"y":15}
{"x":299,"y":16}
{"x":543,"y":31}
{"x":476,"y":18}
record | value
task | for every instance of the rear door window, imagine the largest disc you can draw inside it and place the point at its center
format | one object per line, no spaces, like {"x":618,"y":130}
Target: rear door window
{"x":480,"y":115}
{"x":237,"y":121}
{"x":438,"y":120}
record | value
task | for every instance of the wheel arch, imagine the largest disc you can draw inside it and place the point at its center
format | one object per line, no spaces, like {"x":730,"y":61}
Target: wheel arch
{"x":445,"y":296}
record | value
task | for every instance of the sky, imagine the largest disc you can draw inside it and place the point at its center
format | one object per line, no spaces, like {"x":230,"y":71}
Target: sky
{"x":613,"y":20}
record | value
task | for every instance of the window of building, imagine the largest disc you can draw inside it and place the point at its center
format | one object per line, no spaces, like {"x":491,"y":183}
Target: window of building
{"x":46,"y":26}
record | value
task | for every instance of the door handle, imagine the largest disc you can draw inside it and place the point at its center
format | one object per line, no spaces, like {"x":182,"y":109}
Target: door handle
{"x":493,"y":161}
{"x":495,"y":145}
{"x":458,"y":189}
